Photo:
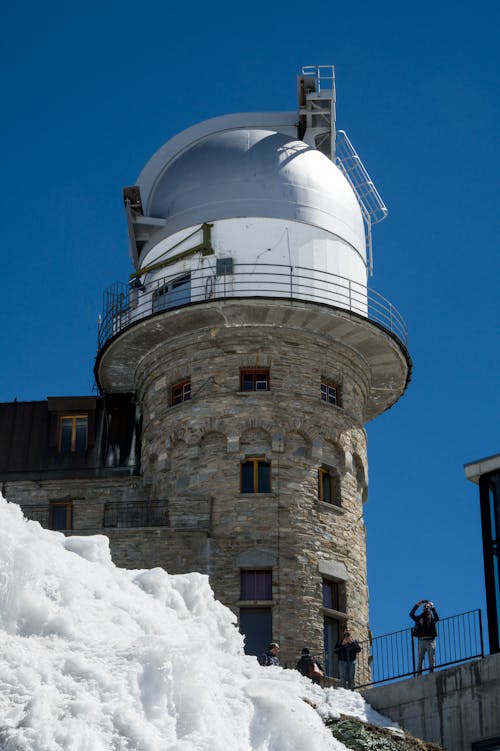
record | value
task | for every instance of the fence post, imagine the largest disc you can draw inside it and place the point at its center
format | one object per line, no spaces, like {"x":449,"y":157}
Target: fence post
{"x":481,"y":632}
{"x":291,"y":281}
{"x":413,"y":654}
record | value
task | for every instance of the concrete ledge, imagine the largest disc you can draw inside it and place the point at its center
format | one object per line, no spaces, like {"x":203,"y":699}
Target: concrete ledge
{"x":453,"y":707}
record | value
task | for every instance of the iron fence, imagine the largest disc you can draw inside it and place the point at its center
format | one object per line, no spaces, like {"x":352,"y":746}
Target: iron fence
{"x":138,"y":514}
{"x":125,"y":304}
{"x":39,"y":514}
{"x":393,"y":656}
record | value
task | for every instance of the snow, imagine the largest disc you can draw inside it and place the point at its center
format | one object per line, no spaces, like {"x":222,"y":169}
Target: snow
{"x":98,"y":658}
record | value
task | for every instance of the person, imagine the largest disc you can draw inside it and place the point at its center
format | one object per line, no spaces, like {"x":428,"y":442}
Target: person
{"x":270,"y":656}
{"x":347,"y":648}
{"x":309,"y":666}
{"x":426,"y":632}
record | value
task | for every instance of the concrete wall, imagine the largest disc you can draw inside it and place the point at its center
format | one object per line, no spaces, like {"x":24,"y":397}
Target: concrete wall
{"x":453,"y":707}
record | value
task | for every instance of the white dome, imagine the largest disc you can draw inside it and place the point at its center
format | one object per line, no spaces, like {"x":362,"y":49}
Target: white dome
{"x":249,"y":172}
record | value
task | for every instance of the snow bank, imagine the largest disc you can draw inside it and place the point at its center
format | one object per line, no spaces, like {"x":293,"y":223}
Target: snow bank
{"x":97,"y":658}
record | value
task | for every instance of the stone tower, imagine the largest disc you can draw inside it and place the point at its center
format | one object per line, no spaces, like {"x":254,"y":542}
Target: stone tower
{"x":257,"y":353}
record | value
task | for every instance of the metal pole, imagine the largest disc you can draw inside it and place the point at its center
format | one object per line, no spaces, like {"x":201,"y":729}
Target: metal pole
{"x":481,"y":632}
{"x":413,"y":654}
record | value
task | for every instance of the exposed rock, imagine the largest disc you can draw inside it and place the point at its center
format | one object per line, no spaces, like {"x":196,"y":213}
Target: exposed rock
{"x":361,"y":736}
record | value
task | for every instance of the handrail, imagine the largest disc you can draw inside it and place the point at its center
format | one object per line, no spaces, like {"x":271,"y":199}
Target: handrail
{"x":126,"y":304}
{"x":394,"y":656}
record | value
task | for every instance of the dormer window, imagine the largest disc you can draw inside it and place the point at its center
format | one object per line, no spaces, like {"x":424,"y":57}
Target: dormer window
{"x":254,"y":380}
{"x":73,"y":433}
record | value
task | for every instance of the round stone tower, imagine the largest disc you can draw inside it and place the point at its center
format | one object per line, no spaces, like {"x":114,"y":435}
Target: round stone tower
{"x":257,"y":353}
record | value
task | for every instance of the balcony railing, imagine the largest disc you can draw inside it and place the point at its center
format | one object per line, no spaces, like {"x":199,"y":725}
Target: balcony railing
{"x":139,"y":514}
{"x":394,"y":656}
{"x":125,"y":304}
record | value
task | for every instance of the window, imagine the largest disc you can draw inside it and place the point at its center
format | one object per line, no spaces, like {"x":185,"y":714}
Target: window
{"x":61,"y":515}
{"x":330,"y":392}
{"x":328,"y":486}
{"x":172,"y":294}
{"x":180,"y":392}
{"x":256,"y":624}
{"x":255,"y":476}
{"x":256,"y":585}
{"x":254,"y":380}
{"x":73,"y":430}
{"x":331,"y":594}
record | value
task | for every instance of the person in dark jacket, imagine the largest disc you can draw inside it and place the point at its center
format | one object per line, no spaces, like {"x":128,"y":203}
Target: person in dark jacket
{"x":347,"y":649}
{"x":270,"y":656}
{"x":307,"y":664}
{"x":426,"y":632}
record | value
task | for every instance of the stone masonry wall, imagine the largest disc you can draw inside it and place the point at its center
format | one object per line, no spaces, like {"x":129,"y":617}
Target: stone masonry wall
{"x":195,"y":449}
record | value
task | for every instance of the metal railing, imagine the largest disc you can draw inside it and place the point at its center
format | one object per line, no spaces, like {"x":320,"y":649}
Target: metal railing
{"x":40,"y":514}
{"x":125,"y":304}
{"x":141,"y":514}
{"x":394,"y":656}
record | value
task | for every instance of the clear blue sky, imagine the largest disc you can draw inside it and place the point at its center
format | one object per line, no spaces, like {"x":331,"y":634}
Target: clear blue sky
{"x":91,"y":90}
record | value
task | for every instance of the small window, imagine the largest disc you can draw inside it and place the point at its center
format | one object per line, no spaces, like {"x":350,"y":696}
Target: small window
{"x":254,"y":380}
{"x":172,"y":294}
{"x":256,"y":585}
{"x":61,"y":515}
{"x":328,"y":486}
{"x":73,"y":432}
{"x":330,"y":392}
{"x":331,"y":594}
{"x":255,"y":476}
{"x":180,"y":392}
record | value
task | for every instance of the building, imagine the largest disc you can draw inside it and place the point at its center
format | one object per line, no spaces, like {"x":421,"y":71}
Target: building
{"x":486,"y":474}
{"x":236,"y":371}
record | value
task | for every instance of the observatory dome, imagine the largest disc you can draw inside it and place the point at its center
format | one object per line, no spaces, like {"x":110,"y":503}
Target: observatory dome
{"x":250,"y":172}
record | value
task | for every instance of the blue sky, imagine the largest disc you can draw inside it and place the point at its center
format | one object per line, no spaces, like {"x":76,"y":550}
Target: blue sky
{"x":90,"y":91}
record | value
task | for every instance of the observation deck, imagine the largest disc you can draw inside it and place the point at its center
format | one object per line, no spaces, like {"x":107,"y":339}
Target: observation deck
{"x":137,"y":319}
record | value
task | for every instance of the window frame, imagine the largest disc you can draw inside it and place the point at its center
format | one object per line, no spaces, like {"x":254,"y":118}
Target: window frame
{"x":265,"y":376}
{"x":256,"y":461}
{"x":68,"y":505}
{"x":329,"y":474}
{"x":326,"y":385}
{"x":335,"y":588}
{"x":185,"y":394}
{"x":73,"y":418}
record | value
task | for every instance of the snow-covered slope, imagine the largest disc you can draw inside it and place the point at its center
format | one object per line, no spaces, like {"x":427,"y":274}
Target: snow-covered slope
{"x":97,"y":658}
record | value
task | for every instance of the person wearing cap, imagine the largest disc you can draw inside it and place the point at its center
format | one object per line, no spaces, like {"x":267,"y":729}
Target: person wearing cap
{"x":425,"y":630}
{"x":347,"y":648}
{"x":270,"y":656}
{"x":309,"y":666}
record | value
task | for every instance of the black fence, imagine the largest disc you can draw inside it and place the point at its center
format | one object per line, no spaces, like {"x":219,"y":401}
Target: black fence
{"x":393,"y":656}
{"x":142,"y":514}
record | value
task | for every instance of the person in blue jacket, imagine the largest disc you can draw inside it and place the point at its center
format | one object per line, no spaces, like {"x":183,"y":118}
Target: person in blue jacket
{"x":425,"y":631}
{"x":270,"y":656}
